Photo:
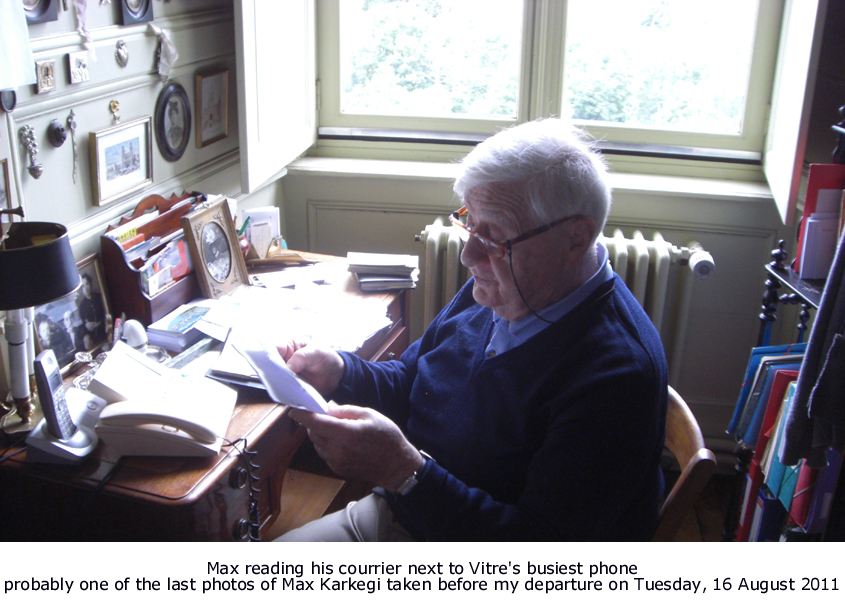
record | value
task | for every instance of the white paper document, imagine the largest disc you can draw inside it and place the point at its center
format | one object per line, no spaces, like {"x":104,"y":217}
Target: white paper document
{"x":282,"y":384}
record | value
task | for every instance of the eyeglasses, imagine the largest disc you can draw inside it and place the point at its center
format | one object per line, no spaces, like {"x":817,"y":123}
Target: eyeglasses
{"x":494,"y":248}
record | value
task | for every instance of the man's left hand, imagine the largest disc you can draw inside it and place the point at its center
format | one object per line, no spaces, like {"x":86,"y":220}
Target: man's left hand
{"x":357,"y":442}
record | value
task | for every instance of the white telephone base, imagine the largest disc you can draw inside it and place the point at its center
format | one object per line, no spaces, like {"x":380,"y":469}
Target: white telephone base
{"x":84,"y":409}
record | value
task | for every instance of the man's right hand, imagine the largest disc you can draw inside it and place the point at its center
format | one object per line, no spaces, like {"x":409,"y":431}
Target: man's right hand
{"x":320,"y":367}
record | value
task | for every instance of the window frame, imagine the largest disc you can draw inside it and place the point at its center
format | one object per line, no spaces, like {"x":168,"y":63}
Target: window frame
{"x":541,"y":95}
{"x":330,"y":116}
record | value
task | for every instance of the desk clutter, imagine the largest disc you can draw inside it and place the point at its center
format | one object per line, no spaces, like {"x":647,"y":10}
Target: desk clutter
{"x":177,"y":277}
{"x":188,"y":440}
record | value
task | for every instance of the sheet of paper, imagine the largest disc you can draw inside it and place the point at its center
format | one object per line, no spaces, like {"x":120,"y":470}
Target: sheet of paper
{"x":282,"y":384}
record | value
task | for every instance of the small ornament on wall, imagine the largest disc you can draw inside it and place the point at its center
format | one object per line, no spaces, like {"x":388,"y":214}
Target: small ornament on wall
{"x":121,"y":53}
{"x":46,"y":74}
{"x":78,"y":65}
{"x":28,"y":140}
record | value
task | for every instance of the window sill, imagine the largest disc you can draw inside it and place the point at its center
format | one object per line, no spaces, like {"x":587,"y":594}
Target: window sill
{"x":642,"y":183}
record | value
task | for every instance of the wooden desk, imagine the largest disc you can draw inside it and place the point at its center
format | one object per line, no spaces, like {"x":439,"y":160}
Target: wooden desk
{"x":174,"y":498}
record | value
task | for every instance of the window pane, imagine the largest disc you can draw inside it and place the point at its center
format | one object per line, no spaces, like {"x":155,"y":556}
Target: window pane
{"x":430,"y":58}
{"x":667,"y":64}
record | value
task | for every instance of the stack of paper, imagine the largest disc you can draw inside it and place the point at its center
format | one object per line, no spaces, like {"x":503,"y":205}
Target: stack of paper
{"x":820,"y":235}
{"x":378,"y":272}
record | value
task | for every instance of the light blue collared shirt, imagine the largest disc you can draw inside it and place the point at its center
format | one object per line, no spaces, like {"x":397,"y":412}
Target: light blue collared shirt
{"x":510,"y":334}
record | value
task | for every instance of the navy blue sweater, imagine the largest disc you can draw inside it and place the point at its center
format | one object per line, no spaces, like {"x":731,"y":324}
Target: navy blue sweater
{"x":559,"y":438}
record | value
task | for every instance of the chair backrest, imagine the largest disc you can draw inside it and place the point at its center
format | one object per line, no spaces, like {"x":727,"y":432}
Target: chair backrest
{"x":684,"y":440}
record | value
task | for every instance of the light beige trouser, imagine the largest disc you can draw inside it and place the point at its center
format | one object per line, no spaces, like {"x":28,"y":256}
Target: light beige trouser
{"x":369,"y":519}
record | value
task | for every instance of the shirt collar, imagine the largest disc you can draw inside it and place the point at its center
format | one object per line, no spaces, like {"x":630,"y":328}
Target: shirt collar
{"x":510,"y":334}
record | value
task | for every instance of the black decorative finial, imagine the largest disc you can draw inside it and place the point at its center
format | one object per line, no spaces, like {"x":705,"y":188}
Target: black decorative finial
{"x":779,"y":255}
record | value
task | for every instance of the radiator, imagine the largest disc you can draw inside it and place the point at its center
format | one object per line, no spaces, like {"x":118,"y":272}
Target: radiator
{"x":660,"y":275}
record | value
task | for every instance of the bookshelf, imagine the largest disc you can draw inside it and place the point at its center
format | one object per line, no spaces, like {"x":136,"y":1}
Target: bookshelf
{"x":784,"y":286}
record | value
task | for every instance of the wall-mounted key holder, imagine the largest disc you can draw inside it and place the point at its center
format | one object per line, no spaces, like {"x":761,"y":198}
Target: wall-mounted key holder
{"x":56,"y":134}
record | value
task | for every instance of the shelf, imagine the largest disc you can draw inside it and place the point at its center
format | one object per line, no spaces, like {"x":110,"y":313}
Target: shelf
{"x":809,"y":290}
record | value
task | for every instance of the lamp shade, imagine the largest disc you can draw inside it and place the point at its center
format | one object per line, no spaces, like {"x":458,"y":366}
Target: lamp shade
{"x":16,"y":65}
{"x":36,"y":265}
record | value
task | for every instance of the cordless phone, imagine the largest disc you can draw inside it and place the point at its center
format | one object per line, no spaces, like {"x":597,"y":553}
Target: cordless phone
{"x":51,"y":393}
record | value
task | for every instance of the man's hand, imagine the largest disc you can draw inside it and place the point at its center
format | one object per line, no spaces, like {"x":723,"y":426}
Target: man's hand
{"x":361,"y":443}
{"x":320,"y":367}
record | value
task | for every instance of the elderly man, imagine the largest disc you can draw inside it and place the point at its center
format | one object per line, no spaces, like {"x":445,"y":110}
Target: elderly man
{"x":538,"y":393}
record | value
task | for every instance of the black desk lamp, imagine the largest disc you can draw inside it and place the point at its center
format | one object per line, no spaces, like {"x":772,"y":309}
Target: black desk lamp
{"x":36,"y":266}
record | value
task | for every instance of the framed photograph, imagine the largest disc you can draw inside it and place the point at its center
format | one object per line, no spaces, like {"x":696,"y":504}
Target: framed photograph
{"x":41,"y":11}
{"x":78,"y":322}
{"x":136,"y":11}
{"x":173,"y":122}
{"x":212,"y":97}
{"x":215,"y":254}
{"x":121,"y":160}
{"x":5,"y":192}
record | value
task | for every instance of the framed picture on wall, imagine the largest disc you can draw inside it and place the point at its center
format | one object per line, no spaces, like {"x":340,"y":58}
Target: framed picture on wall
{"x":212,"y":98}
{"x":40,"y":11}
{"x":215,"y":253}
{"x":78,"y":322}
{"x":136,"y":11}
{"x":173,"y":122}
{"x":121,"y":160}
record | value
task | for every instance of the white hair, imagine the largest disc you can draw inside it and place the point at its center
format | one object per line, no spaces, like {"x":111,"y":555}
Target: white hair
{"x":561,"y":172}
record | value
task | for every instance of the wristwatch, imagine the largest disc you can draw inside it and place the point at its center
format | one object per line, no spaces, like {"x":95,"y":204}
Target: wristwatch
{"x":409,"y":483}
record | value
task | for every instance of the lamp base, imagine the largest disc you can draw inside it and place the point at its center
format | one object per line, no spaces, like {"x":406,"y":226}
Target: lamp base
{"x":13,"y":423}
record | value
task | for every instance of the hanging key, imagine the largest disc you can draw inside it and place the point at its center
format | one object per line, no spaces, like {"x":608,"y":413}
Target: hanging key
{"x":71,"y":124}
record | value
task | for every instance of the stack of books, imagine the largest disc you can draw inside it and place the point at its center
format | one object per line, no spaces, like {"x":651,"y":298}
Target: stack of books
{"x":380,"y":272}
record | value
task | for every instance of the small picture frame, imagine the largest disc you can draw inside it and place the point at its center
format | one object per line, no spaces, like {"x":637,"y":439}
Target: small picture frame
{"x":212,"y":98}
{"x":173,"y":122}
{"x":45,"y":75}
{"x":121,"y":160}
{"x":136,"y":11}
{"x":78,"y":66}
{"x":5,"y":192}
{"x":40,"y":11}
{"x":215,"y":253}
{"x":78,"y":322}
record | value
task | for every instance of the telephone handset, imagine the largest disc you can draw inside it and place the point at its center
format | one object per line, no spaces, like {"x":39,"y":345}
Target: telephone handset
{"x":51,"y":394}
{"x":65,"y":435}
{"x":132,"y":414}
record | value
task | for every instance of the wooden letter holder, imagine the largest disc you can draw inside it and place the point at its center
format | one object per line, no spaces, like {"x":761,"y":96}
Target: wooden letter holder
{"x":124,"y":278}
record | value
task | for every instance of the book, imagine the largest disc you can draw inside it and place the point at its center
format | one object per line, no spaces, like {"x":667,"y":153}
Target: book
{"x":754,"y":361}
{"x":774,"y":388}
{"x":375,"y":282}
{"x":755,"y":476}
{"x":768,"y":517}
{"x":823,"y":491}
{"x":821,"y":177}
{"x":176,"y":331}
{"x":803,"y":495}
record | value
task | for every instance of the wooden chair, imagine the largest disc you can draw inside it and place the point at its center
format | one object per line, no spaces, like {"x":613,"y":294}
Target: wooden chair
{"x":684,"y":440}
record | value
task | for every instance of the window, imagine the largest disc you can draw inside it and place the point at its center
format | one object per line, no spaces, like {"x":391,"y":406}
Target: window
{"x":425,"y":58}
{"x":654,"y":63}
{"x":659,"y":77}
